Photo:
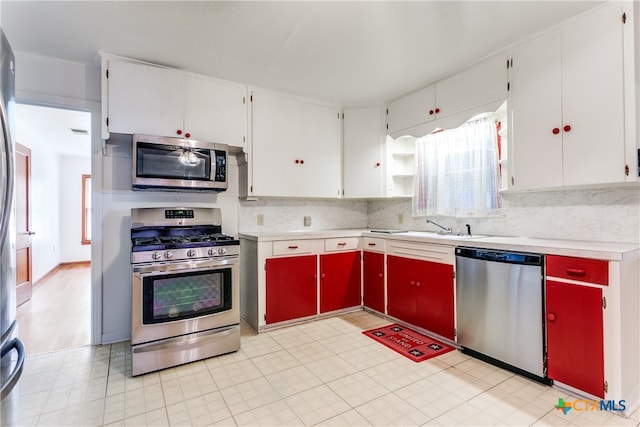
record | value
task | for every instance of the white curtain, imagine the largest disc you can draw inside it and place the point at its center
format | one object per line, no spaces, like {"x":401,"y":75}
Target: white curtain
{"x":457,"y":172}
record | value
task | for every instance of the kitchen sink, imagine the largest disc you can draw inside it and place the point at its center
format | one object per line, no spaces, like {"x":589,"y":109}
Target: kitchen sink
{"x":434,"y":235}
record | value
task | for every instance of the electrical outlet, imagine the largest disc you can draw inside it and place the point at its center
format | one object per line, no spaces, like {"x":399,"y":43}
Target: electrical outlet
{"x":307,"y":221}
{"x":400,"y":218}
{"x":260,"y":219}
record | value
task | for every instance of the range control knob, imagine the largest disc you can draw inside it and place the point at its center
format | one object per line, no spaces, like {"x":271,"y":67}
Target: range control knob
{"x":156,"y":255}
{"x":191,"y":253}
{"x":168,"y":254}
{"x":222,"y":251}
{"x":212,"y":251}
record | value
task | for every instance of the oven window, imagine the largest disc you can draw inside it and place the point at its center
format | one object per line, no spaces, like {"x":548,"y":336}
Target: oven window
{"x":172,"y":162}
{"x":172,"y":297}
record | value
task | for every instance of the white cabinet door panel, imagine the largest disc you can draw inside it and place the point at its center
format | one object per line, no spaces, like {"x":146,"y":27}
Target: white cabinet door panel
{"x":536,"y":96}
{"x":145,"y":99}
{"x":593,"y":99}
{"x":478,"y":85}
{"x":215,"y":111}
{"x":411,"y":109}
{"x":274,"y":146}
{"x":363,"y":152}
{"x":320,"y":137}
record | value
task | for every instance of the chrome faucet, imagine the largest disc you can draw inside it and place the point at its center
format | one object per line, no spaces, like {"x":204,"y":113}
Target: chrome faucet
{"x":447,"y":230}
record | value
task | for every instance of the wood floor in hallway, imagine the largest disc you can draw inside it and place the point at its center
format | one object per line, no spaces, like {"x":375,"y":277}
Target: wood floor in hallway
{"x":58,"y":316}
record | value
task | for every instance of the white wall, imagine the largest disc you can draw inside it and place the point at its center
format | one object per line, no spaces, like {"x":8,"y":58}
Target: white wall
{"x":45,"y":173}
{"x":71,"y":170}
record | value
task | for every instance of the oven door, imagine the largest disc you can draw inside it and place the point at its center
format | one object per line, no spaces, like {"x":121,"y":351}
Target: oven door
{"x":182,"y":297}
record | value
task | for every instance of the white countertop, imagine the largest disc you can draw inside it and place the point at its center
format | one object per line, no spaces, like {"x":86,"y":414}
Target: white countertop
{"x":578,"y":248}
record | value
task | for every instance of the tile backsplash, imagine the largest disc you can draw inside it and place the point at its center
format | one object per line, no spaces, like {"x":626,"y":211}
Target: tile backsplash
{"x":599,"y":215}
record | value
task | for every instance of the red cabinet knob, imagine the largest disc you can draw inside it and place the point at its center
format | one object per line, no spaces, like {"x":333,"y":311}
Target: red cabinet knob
{"x":418,"y":284}
{"x":187,"y":135}
{"x":551,"y":317}
{"x":179,"y":132}
{"x":297,"y":161}
{"x":555,"y":131}
{"x":437,"y":110}
{"x":380,"y":275}
{"x":431,"y":112}
{"x":412,"y":283}
{"x":302,"y":162}
{"x":322,"y":276}
{"x":566,"y":128}
{"x":378,"y":164}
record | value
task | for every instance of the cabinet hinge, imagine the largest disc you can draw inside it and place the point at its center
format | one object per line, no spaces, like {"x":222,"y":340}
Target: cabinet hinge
{"x":624,"y":18}
{"x":511,"y":62}
{"x":251,"y":98}
{"x":251,"y":188}
{"x":507,"y":64}
{"x":455,"y":332}
{"x":244,"y":139}
{"x":604,"y":302}
{"x":265,"y":317}
{"x":339,"y":116}
{"x":107,"y":73}
{"x":244,"y":99}
{"x":387,"y":126}
{"x":513,"y":181}
{"x":508,"y":86}
{"x":626,"y":170}
{"x":454,"y":274}
{"x":107,"y":121}
{"x":606,"y":387}
{"x":387,"y":111}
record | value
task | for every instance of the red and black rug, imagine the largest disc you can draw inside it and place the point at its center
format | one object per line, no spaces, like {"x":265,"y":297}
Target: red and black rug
{"x":407,"y":342}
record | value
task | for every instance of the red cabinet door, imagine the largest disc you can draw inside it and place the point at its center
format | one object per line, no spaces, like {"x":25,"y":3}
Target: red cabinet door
{"x":291,"y":288}
{"x":575,"y":348}
{"x":434,"y":297}
{"x":401,"y":297}
{"x":373,"y":278}
{"x":339,"y":281}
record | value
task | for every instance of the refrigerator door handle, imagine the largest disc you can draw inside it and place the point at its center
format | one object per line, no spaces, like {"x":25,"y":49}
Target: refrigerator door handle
{"x":12,"y":379}
{"x":8,"y":154}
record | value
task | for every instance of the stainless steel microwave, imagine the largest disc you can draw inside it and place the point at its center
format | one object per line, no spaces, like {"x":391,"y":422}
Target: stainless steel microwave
{"x":163,"y":163}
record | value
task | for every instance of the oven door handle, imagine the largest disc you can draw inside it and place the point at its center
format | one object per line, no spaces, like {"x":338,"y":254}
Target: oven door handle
{"x":186,"y":342}
{"x":148,"y":269}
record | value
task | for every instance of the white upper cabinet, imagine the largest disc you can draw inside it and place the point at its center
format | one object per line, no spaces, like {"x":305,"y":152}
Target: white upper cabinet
{"x":295,"y":147}
{"x":363,"y":166}
{"x":215,"y":110}
{"x":144,"y":99}
{"x":411,"y":110}
{"x":461,"y":95}
{"x":155,"y":100}
{"x":567,"y":105}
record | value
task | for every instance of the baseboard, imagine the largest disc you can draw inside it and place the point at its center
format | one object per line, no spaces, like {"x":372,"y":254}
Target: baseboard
{"x":59,"y":267}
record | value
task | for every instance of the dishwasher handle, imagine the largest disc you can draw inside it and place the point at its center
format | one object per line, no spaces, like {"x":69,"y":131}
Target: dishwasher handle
{"x":508,"y":257}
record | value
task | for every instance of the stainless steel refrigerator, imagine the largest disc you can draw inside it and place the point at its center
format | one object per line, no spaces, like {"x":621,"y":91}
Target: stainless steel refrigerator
{"x":12,"y":349}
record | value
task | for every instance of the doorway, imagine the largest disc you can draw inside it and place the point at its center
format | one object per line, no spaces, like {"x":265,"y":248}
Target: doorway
{"x":57,"y":226}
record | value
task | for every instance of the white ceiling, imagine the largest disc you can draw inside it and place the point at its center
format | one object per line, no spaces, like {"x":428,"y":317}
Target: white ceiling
{"x":346,"y":52}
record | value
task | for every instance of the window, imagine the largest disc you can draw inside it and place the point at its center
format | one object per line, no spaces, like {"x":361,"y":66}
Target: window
{"x":457,"y":172}
{"x":86,"y":209}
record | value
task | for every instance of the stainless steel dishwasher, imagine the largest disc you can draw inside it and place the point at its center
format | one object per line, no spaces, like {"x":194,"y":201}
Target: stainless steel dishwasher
{"x":499,"y":309}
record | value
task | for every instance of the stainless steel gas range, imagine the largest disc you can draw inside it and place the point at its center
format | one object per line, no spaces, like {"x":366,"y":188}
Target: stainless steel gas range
{"x":185,"y":288}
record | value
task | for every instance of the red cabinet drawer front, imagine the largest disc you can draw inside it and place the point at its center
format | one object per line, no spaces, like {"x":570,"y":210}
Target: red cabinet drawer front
{"x":582,"y":269}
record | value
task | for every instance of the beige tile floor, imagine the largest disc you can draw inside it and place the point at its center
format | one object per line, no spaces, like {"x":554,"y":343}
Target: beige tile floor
{"x":319,"y":373}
